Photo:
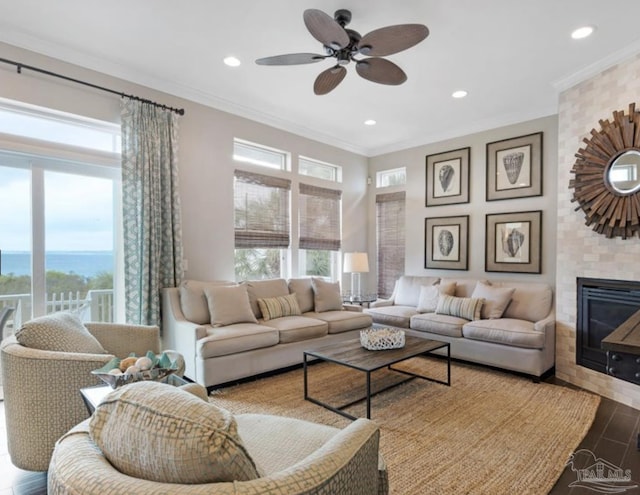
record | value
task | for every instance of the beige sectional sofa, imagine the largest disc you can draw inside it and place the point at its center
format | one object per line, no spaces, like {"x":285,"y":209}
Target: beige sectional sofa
{"x":502,"y":323}
{"x":228,"y":331}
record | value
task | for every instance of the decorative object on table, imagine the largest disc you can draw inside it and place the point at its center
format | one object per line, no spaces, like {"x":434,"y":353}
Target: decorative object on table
{"x":514,"y":167}
{"x":356,"y":263}
{"x":119,"y":372}
{"x":447,"y":178}
{"x":514,"y":242}
{"x":607,"y":176}
{"x":378,"y":339}
{"x":446,"y":242}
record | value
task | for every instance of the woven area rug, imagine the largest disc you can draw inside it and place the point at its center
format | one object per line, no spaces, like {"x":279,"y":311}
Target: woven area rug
{"x":489,"y":433}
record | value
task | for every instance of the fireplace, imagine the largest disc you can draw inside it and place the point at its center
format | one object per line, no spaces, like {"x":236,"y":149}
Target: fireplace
{"x":603,"y":305}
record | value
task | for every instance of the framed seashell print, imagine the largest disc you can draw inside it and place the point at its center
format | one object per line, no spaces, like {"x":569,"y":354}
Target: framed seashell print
{"x":513,"y":242}
{"x":514,"y":167}
{"x":446,"y":242}
{"x":447,"y":178}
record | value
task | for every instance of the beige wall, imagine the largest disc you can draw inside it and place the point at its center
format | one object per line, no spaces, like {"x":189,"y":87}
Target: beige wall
{"x":414,"y":160}
{"x":205,"y":155}
{"x":580,"y":251}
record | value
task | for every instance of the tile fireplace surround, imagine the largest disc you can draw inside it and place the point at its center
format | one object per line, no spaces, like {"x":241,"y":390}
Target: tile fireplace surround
{"x":580,"y":251}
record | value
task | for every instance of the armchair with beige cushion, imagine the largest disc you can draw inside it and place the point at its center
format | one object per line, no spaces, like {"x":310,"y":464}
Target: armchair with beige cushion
{"x":150,"y":438}
{"x":44,"y":366}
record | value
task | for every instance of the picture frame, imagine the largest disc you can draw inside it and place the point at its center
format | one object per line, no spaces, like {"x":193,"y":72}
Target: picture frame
{"x":446,"y":241}
{"x":513,"y":242}
{"x":514,"y":167}
{"x":447,"y":177}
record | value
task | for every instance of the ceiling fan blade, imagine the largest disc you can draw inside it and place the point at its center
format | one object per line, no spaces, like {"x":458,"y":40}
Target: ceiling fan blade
{"x":291,"y":59}
{"x":392,"y":39}
{"x":325,"y":29}
{"x":381,"y":71}
{"x":327,"y":80}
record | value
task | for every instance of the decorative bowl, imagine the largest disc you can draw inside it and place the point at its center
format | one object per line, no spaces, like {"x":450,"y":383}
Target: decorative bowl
{"x":161,"y":367}
{"x":374,"y":339}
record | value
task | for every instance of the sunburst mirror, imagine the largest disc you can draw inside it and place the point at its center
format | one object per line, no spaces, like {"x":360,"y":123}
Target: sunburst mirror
{"x":607,"y":176}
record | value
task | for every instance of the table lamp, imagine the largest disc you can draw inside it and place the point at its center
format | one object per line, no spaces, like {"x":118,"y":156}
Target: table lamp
{"x":356,"y":263}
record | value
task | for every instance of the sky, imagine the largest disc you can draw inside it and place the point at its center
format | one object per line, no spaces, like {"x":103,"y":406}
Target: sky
{"x":79,"y":211}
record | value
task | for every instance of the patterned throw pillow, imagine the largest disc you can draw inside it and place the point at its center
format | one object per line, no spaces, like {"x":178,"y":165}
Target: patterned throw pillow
{"x":62,"y":332}
{"x":277,"y":307}
{"x":160,"y":433}
{"x":463,"y":307}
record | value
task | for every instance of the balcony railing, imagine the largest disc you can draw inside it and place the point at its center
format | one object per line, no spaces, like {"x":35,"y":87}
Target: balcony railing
{"x":96,"y":306}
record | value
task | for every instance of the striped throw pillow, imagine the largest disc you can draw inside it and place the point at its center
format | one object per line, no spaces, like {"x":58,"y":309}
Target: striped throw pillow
{"x":463,"y":307}
{"x":277,"y":307}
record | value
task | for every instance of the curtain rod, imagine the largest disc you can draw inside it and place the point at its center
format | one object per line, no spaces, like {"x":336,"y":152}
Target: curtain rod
{"x":19,"y":66}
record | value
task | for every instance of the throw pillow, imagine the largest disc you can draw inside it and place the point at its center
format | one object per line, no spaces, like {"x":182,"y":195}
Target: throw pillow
{"x":462,"y":307}
{"x":326,"y":295}
{"x":301,"y":287}
{"x":277,"y":307}
{"x":430,"y":294}
{"x":193,"y":302}
{"x":496,"y":299}
{"x":157,"y":432}
{"x":229,"y":304}
{"x":62,"y":332}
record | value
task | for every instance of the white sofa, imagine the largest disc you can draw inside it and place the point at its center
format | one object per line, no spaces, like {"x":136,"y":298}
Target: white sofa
{"x":515,"y":329}
{"x":220,"y":330}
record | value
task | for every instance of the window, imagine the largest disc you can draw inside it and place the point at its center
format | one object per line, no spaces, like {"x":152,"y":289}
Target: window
{"x":319,"y":227}
{"x":58,"y":127}
{"x":319,"y":170}
{"x":246,"y":152}
{"x":261,"y":214}
{"x":395,"y":177}
{"x":390,"y":230}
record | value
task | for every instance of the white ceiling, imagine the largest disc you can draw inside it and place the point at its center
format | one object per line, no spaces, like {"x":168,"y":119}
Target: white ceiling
{"x":512,"y":56}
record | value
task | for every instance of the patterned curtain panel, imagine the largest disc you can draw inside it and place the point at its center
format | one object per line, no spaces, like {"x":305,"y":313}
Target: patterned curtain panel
{"x":151,"y":208}
{"x":390,"y":229}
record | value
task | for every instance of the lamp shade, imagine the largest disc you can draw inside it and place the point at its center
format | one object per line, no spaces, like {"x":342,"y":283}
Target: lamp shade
{"x":356,"y":263}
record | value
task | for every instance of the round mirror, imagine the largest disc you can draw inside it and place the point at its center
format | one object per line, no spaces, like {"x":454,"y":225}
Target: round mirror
{"x":623,"y":174}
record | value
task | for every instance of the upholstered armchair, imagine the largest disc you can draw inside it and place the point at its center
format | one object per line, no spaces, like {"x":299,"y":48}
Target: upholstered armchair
{"x":41,"y":386}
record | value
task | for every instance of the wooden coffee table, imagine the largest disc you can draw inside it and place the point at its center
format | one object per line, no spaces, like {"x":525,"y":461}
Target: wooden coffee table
{"x":352,"y":355}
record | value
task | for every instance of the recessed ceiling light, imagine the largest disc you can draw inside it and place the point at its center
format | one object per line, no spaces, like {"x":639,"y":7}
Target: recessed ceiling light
{"x":370,"y":122}
{"x":461,"y":93}
{"x":232,"y":61}
{"x":582,"y":32}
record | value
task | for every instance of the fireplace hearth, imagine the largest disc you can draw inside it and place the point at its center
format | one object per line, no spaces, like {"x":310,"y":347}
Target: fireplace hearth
{"x":603,"y":305}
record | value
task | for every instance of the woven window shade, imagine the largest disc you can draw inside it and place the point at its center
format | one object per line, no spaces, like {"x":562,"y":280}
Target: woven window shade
{"x":390,"y":228}
{"x":319,"y":218}
{"x":261,"y":205}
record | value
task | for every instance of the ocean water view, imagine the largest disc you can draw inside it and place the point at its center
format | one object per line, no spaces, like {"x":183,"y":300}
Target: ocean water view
{"x":85,"y":263}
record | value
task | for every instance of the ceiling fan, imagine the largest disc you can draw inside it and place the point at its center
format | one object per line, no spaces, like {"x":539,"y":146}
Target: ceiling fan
{"x":345,"y":44}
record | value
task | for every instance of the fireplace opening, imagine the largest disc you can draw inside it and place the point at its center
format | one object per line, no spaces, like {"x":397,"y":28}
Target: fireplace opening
{"x":603,"y":305}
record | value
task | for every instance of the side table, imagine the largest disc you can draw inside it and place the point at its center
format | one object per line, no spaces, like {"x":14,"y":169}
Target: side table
{"x":363,"y":301}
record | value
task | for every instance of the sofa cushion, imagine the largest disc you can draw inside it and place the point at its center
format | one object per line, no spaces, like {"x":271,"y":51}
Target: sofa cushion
{"x":229,"y":304}
{"x":297,"y":328}
{"x":519,"y":333}
{"x":277,"y":307}
{"x":397,"y":316}
{"x":343,"y":321}
{"x":496,"y":299}
{"x":531,"y":302}
{"x":301,"y":287}
{"x":233,"y":339}
{"x":430,"y":294}
{"x":260,"y":289}
{"x":62,"y":332}
{"x":408,"y":289}
{"x":193,"y":301}
{"x":451,"y":326}
{"x":326,"y":295}
{"x":462,"y":307}
{"x":160,"y":433}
